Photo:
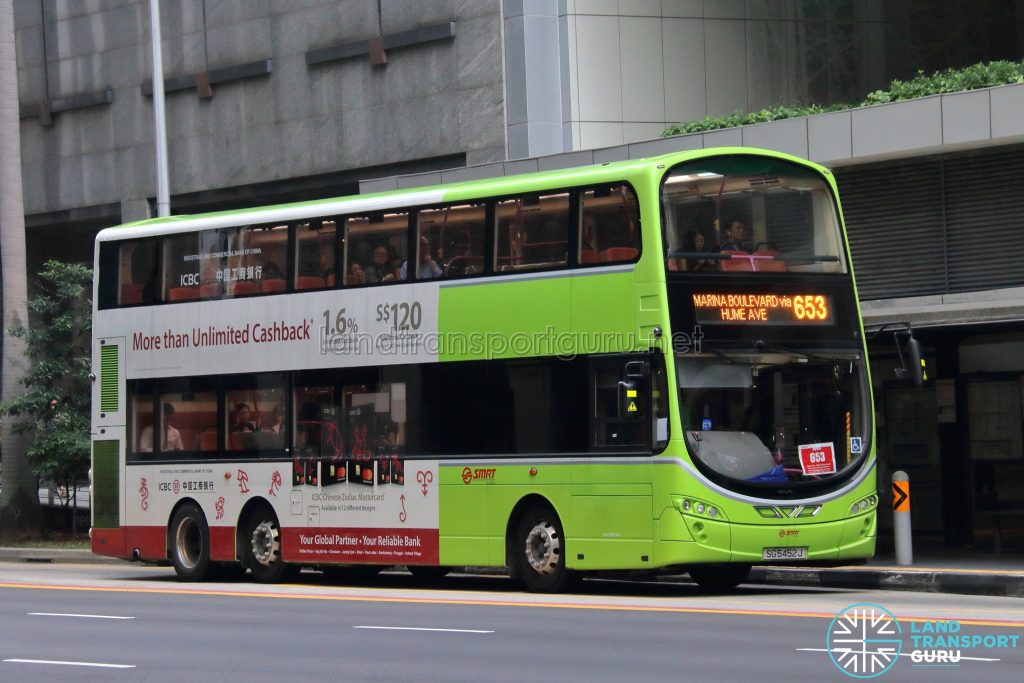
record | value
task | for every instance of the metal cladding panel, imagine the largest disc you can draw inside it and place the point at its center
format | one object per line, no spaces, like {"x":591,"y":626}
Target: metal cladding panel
{"x":106,"y":485}
{"x":894,"y":221}
{"x":985,"y":220}
{"x":937,"y":225}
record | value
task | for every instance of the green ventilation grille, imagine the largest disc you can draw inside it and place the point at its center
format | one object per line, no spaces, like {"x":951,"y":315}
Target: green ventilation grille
{"x":108,"y":379}
{"x":105,"y":484}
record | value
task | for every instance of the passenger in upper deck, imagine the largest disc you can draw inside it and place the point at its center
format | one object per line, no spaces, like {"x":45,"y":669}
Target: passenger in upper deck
{"x":695,"y":243}
{"x":379,"y":270}
{"x":356,"y":275}
{"x":735,"y":237}
{"x":428,"y":267}
{"x":277,"y":420}
{"x":243,"y":419}
{"x":463,"y":262}
{"x":172,"y":437}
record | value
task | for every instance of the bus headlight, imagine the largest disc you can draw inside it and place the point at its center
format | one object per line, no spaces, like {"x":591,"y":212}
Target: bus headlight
{"x":864,"y":504}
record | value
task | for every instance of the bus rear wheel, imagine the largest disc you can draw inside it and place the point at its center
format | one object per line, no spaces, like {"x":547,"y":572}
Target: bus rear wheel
{"x":538,"y":551}
{"x":262,"y":548}
{"x":717,"y":578}
{"x":190,"y":543}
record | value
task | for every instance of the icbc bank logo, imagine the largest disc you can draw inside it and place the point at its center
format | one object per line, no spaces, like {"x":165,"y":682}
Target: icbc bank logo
{"x":470,"y":475}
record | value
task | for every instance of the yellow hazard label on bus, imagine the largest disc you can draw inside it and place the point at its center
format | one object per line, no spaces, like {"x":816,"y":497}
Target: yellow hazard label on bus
{"x":632,"y":407}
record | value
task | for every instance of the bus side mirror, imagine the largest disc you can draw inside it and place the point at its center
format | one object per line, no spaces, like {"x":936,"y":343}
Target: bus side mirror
{"x":629,"y":400}
{"x":918,"y":372}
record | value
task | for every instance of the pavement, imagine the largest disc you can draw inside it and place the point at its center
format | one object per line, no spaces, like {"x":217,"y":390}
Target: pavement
{"x":962,"y":572}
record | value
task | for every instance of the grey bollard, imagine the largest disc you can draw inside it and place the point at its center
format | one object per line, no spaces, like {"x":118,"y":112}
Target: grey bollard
{"x":901,"y":518}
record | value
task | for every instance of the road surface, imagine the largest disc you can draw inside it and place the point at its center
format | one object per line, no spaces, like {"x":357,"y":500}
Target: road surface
{"x":137,"y":623}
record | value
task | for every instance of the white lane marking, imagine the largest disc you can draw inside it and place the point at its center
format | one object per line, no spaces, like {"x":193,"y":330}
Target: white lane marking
{"x":904,"y":654}
{"x":57,"y":663}
{"x":80,"y":616}
{"x":416,"y":628}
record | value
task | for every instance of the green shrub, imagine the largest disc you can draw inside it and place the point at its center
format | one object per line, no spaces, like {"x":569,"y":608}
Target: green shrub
{"x":951,"y":80}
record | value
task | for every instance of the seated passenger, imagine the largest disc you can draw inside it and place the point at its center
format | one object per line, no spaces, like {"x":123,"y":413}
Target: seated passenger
{"x":356,"y":275}
{"x":271,"y":271}
{"x":695,"y":243}
{"x":171,"y":440}
{"x":462,"y":263}
{"x":428,"y":267}
{"x":734,"y":236}
{"x":243,"y":419}
{"x":277,"y":420}
{"x":379,"y":269}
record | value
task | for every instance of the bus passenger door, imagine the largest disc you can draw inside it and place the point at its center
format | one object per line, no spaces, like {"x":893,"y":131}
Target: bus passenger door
{"x":612,"y":522}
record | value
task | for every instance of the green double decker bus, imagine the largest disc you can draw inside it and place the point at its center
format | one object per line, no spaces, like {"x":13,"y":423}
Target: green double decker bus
{"x":649,"y":365}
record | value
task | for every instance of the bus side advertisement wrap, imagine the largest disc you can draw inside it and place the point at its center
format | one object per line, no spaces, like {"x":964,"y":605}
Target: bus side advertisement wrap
{"x":348,"y":522}
{"x":326,"y":329}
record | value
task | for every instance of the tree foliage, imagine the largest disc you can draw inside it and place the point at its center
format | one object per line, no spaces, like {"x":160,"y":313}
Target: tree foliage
{"x":57,"y":392}
{"x":976,"y":76}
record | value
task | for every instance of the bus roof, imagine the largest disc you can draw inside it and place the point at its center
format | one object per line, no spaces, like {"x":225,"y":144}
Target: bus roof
{"x":434,"y":194}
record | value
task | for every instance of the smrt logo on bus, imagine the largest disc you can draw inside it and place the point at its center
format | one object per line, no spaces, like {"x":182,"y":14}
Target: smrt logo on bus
{"x":471,"y":475}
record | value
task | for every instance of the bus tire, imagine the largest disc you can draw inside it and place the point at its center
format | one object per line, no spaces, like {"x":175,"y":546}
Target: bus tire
{"x":718,"y":578}
{"x":190,"y":543}
{"x":262,"y":548}
{"x":538,"y":551}
{"x":427,"y":572}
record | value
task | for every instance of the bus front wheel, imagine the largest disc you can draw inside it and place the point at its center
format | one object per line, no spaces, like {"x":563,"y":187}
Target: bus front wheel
{"x":717,"y":578}
{"x":538,"y":551}
{"x":263,"y":548}
{"x":190,"y":543}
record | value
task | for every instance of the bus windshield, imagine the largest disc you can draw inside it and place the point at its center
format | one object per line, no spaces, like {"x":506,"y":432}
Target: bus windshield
{"x":744,"y":213}
{"x":782,"y":419}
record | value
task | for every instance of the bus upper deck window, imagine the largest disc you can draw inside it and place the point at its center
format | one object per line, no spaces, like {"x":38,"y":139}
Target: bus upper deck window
{"x":314,"y":254}
{"x":375,"y":248}
{"x":137,"y":273}
{"x":609,"y":225}
{"x":256,"y":256}
{"x":532,"y":231}
{"x":454,"y":237}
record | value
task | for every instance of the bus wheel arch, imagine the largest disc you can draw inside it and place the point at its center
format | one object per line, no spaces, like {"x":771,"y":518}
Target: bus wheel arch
{"x":188,"y":541}
{"x":259,"y":543}
{"x":535,"y":547}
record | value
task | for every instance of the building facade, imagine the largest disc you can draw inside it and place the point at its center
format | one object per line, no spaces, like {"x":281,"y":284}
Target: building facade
{"x":282,"y":100}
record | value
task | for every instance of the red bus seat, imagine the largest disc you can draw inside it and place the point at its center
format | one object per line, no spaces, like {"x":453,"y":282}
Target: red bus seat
{"x":737,"y":265}
{"x":208,"y":440}
{"x":330,"y":280}
{"x":275,"y":285}
{"x":131,"y":293}
{"x":589,"y":256}
{"x":769,"y":264}
{"x":615,"y":254}
{"x":210,"y":290}
{"x":182,"y":294}
{"x":235,"y":441}
{"x":309,"y":282}
{"x":246,"y":287}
